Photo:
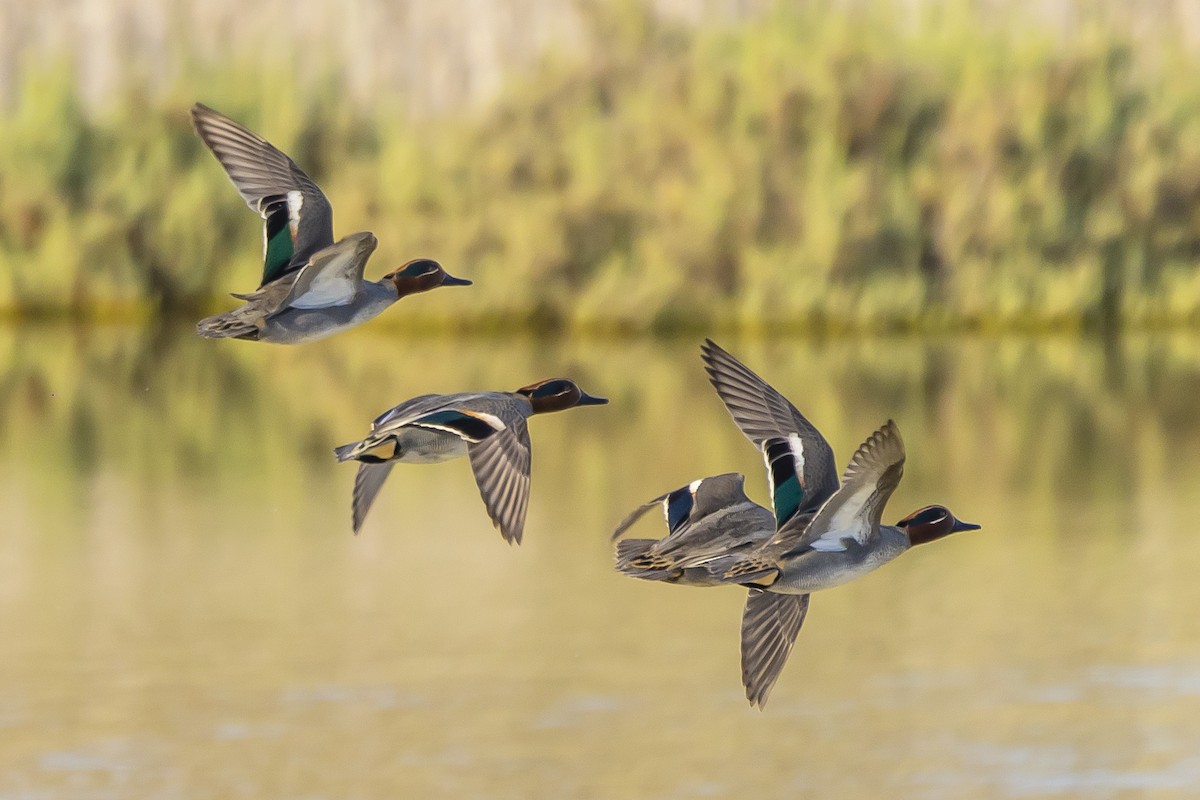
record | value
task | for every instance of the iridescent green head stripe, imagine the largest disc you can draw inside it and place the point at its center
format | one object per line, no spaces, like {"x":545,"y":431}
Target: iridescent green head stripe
{"x":418,"y":267}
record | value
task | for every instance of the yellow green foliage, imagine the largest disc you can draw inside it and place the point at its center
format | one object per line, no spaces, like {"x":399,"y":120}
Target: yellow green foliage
{"x":807,"y":168}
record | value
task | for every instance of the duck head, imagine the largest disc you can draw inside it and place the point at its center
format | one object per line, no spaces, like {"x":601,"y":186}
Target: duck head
{"x":556,"y":394}
{"x":421,"y":275}
{"x":931,"y":523}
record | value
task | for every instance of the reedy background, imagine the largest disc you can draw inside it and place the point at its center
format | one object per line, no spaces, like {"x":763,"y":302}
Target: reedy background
{"x":627,"y":165}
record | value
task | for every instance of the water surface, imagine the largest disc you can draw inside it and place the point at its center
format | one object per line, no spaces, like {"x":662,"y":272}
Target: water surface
{"x":184,"y":612}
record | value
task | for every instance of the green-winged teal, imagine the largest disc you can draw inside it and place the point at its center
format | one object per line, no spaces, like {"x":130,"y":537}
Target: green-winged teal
{"x":827,"y":533}
{"x":488,"y":427}
{"x":713,"y":516}
{"x":708,"y":517}
{"x":312,"y":287}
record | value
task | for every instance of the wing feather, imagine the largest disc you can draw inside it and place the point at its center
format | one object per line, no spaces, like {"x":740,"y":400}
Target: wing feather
{"x":856,"y":509}
{"x":800,"y":462}
{"x":367,"y":483}
{"x":298,"y":220}
{"x":770,"y":624}
{"x":501,"y":463}
{"x":332,"y":277}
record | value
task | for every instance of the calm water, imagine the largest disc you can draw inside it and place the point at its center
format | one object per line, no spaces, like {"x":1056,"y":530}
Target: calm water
{"x":184,"y":612}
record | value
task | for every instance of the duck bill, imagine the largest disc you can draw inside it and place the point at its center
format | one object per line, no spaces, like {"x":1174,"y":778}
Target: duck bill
{"x":587,"y":400}
{"x":959,"y":525}
{"x":450,"y":280}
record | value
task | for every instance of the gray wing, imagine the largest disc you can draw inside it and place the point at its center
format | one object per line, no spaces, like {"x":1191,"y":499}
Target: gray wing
{"x":708,"y":519}
{"x":332,"y":277}
{"x":414,"y":407}
{"x":770,"y":624}
{"x":688,"y":504}
{"x":298,"y":220}
{"x":854,"y":512}
{"x":800,"y":463}
{"x":367,"y":484}
{"x":501,"y":465}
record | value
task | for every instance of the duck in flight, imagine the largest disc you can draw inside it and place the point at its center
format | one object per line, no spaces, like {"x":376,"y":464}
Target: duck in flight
{"x":488,"y":427}
{"x":821,"y":533}
{"x":312,"y":286}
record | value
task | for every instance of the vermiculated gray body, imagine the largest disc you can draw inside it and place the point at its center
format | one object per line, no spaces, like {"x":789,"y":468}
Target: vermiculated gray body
{"x":300,"y":325}
{"x":415,"y":446}
{"x":817,"y":570}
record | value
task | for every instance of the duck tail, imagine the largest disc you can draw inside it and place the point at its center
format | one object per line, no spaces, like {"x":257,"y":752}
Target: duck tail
{"x":635,"y":560}
{"x":346,"y":451}
{"x":226,"y":326}
{"x":632,"y":548}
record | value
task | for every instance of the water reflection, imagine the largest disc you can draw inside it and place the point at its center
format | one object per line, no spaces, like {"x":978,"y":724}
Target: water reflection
{"x":185,"y":612}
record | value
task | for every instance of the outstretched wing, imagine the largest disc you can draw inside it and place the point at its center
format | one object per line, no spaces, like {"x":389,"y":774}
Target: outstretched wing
{"x":367,"y":484}
{"x":501,"y":464}
{"x":855,"y":510}
{"x":770,"y":624}
{"x":800,"y":463}
{"x":298,"y":220}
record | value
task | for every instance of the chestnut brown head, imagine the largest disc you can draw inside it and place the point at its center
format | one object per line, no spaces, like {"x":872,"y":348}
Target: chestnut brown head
{"x":421,"y":275}
{"x":556,"y":394}
{"x":931,"y":523}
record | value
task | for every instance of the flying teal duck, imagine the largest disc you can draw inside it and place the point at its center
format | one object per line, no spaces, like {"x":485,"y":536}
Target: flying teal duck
{"x":709,"y":517}
{"x":312,"y":287}
{"x":712,"y":515}
{"x":488,"y":427}
{"x":822,"y":532}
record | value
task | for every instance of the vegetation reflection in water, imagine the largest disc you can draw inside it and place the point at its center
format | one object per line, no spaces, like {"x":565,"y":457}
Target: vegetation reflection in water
{"x":186,"y":613}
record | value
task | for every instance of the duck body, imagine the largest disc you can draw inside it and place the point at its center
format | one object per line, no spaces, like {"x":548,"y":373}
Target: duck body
{"x":816,"y":570}
{"x":283,"y":312}
{"x":490,"y":428}
{"x":302,"y":325}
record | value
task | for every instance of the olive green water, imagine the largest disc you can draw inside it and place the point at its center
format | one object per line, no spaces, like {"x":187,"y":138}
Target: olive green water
{"x":184,"y":612}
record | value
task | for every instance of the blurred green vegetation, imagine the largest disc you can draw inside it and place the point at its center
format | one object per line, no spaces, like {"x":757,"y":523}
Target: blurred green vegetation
{"x":814,"y":168}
